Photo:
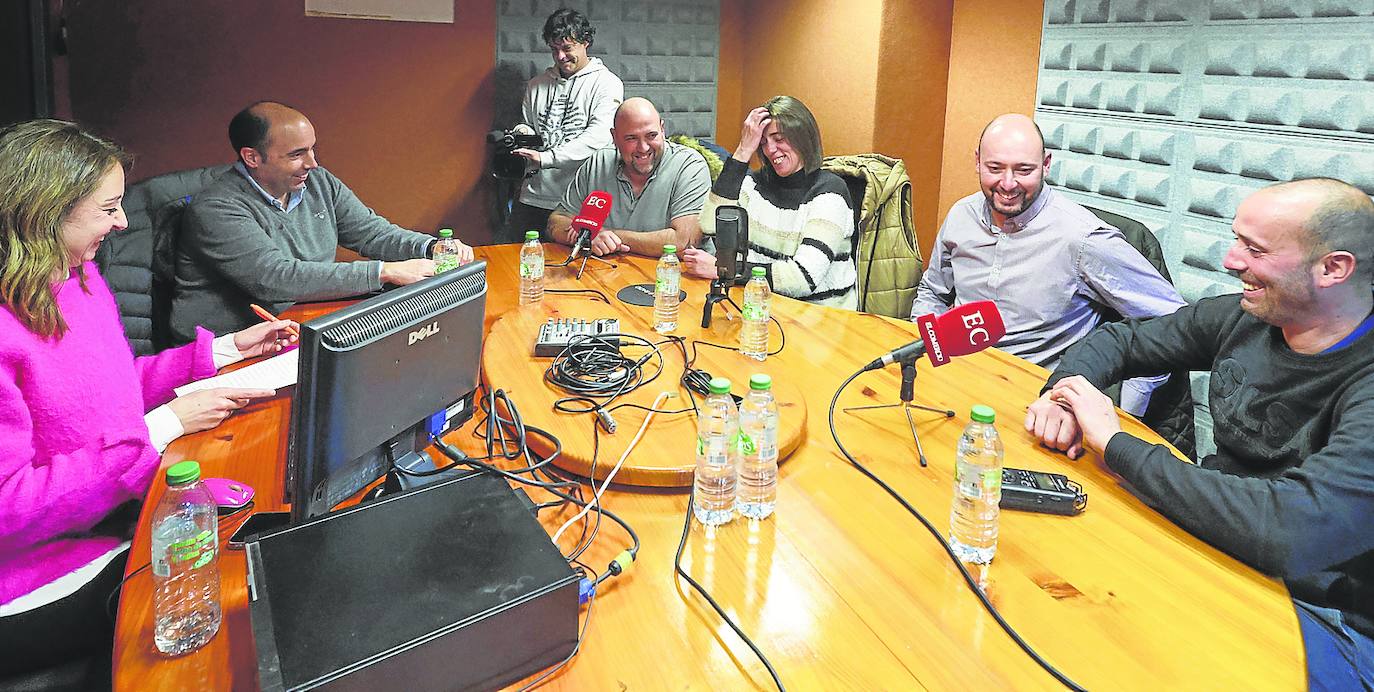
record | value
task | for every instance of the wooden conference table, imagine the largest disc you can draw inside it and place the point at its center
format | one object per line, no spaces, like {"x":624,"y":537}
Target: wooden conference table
{"x":841,"y":588}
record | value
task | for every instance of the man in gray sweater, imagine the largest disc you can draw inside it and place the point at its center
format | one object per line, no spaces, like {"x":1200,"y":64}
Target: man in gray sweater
{"x":262,"y":235}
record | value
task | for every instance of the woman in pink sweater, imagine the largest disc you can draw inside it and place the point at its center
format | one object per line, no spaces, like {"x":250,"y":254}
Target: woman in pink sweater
{"x":82,"y":421}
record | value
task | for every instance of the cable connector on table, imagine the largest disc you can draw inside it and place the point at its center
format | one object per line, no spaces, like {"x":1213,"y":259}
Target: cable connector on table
{"x":621,"y":563}
{"x":607,"y":422}
{"x":586,"y":587}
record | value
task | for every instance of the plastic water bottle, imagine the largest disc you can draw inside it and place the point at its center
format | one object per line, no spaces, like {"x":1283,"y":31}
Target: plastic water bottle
{"x":977,"y":490}
{"x":531,"y":269}
{"x":667,"y":283}
{"x":758,"y":450}
{"x":445,"y":252}
{"x":753,"y":333}
{"x":185,"y":562}
{"x":717,"y":456}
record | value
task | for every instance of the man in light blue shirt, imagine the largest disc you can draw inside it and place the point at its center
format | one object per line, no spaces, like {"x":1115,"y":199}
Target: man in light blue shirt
{"x":1046,"y":262}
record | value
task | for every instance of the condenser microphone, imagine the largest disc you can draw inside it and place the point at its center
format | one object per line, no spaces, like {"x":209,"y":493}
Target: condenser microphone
{"x":732,"y":241}
{"x":966,"y":329}
{"x":588,"y":222}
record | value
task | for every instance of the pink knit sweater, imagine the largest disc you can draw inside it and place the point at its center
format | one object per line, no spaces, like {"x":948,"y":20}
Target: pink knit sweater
{"x":73,"y":444}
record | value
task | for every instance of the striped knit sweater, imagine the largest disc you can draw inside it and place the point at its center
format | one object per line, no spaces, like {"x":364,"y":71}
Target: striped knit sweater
{"x":800,"y":228}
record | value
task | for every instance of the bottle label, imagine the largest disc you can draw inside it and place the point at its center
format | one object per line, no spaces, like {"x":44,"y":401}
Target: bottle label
{"x":986,"y":483}
{"x":992,"y":481}
{"x":754,"y":311}
{"x":716,"y":449}
{"x":768,"y":444}
{"x":199,"y":550}
{"x":747,"y":446}
{"x":532,"y":267}
{"x":445,"y":262}
{"x":667,"y":283}
{"x":763,"y":443}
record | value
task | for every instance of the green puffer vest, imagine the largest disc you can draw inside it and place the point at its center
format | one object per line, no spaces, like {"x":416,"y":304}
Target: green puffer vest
{"x":889,"y":262}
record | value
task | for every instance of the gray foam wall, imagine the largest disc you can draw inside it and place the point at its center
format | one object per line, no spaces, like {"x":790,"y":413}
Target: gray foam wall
{"x":1171,"y":112}
{"x":664,"y":51}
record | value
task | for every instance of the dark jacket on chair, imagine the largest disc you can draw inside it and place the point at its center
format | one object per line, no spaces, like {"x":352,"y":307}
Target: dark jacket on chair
{"x":1170,"y":412}
{"x":137,"y":262}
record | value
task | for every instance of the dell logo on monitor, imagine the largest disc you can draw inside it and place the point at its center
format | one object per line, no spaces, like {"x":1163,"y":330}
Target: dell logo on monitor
{"x":423,"y":332}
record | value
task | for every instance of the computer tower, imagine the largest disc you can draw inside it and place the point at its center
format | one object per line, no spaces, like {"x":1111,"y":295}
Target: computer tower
{"x":453,"y":585}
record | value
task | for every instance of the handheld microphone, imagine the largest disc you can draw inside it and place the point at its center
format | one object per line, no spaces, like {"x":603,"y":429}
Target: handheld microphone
{"x":595,"y":208}
{"x":966,"y":329}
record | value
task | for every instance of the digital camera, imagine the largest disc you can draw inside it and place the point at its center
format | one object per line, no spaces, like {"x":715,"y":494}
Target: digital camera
{"x":504,"y":163}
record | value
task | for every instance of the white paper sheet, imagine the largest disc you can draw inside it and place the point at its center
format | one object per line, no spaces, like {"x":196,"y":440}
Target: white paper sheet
{"x":273,"y":373}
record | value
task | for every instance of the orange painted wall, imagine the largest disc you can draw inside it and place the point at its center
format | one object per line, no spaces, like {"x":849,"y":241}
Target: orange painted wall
{"x":993,"y":63}
{"x":398,"y":107}
{"x":874,"y":73}
{"x":912,"y":79}
{"x":730,"y":108}
{"x":820,"y":51}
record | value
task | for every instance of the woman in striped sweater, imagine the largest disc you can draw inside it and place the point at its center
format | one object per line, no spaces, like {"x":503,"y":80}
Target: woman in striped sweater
{"x":801,"y":220}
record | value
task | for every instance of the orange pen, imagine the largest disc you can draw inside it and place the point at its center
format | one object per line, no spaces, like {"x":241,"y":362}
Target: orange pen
{"x":269,"y":317}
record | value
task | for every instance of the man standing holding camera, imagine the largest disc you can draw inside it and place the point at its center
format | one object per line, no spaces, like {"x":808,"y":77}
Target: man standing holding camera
{"x":570,"y":105}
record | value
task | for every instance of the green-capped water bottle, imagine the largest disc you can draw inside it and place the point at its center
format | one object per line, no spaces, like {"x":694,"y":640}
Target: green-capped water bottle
{"x":185,"y":563}
{"x":717,"y":469}
{"x":977,"y":489}
{"x":758,"y":450}
{"x":667,"y":284}
{"x":445,"y":252}
{"x":531,"y":269}
{"x":753,"y":331}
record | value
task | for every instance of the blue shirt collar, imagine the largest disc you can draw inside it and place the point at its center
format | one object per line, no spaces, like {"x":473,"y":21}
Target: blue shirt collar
{"x":1354,"y":336}
{"x":292,"y":200}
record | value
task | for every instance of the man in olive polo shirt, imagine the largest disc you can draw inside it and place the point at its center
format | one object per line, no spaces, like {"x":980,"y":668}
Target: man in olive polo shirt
{"x":657,"y":188}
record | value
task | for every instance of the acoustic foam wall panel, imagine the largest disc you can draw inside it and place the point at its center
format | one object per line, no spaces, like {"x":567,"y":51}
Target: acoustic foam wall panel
{"x":1171,"y":112}
{"x":664,"y":51}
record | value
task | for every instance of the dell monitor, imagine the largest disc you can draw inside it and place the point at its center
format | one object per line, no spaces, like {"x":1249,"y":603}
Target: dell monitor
{"x":376,"y":379}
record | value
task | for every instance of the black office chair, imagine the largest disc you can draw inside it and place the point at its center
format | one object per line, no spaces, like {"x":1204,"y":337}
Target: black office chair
{"x":1170,"y":412}
{"x":78,"y":675}
{"x":137,"y":262}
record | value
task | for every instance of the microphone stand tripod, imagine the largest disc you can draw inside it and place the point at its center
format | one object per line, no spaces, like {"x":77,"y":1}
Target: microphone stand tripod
{"x":582,"y":246}
{"x":720,"y":291}
{"x":586,"y":255}
{"x":907,"y":394}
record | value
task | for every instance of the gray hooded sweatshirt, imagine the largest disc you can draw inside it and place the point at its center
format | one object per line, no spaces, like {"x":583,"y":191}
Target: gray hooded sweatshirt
{"x":574,"y":116}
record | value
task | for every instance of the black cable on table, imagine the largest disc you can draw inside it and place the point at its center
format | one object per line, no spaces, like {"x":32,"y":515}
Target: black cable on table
{"x":782,"y":333}
{"x":968,"y":578}
{"x":677,"y":567}
{"x":542,"y":465}
{"x":594,"y":292}
{"x":552,"y":487}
